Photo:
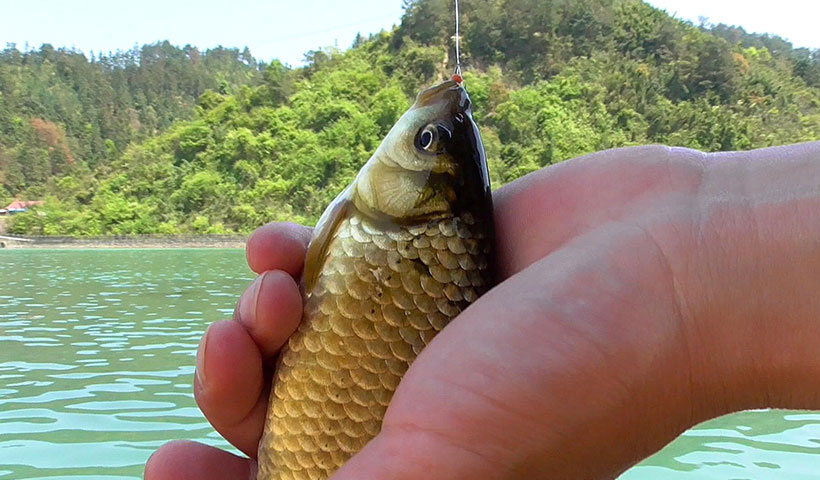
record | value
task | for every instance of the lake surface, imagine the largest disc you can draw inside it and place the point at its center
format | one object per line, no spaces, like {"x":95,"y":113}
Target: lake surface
{"x":97,"y":349}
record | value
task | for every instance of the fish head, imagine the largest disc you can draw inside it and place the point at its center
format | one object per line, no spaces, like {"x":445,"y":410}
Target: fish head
{"x":431,"y":164}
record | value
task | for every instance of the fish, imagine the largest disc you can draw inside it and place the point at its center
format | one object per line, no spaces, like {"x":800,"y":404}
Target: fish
{"x":404,"y":249}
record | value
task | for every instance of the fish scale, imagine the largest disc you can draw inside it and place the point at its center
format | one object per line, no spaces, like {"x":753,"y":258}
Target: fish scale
{"x":381,"y":297}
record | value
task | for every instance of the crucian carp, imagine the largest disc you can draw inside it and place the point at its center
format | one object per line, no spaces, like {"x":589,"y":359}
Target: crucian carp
{"x":399,"y":253}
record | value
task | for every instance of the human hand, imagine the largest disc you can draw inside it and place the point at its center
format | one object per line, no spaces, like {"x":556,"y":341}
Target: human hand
{"x":622,"y":318}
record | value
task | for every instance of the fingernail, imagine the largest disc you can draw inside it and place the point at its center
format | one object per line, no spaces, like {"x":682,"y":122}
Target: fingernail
{"x":200,"y":358}
{"x":247,"y":303}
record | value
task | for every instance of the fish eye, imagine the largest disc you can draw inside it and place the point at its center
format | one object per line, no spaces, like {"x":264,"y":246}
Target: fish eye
{"x":428,"y":138}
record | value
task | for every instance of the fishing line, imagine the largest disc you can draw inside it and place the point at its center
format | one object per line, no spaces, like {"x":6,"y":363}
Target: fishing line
{"x":457,"y":75}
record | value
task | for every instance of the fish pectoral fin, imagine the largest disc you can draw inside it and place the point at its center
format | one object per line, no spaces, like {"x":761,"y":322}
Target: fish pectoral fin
{"x":323,"y":233}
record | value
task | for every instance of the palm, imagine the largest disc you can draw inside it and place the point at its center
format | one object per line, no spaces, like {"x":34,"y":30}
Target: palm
{"x":488,"y":393}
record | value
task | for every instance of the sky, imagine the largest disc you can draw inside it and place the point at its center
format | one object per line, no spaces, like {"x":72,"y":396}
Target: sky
{"x":287,"y":29}
{"x":270,"y":28}
{"x":794,"y":20}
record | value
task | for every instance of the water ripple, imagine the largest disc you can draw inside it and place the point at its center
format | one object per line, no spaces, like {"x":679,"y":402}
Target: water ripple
{"x":96,"y":361}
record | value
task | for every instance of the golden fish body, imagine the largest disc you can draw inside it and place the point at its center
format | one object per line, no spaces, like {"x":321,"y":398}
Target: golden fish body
{"x":382,"y":277}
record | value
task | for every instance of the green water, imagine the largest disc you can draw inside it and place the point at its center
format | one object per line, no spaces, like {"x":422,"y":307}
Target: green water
{"x":96,"y":359}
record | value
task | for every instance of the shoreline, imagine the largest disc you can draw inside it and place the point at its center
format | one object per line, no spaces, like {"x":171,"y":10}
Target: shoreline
{"x":122,"y":241}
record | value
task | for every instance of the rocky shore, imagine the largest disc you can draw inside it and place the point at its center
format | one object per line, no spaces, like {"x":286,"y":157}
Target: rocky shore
{"x":124,"y":241}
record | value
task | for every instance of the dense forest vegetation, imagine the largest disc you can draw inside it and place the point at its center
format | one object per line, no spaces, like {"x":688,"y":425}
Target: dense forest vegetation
{"x":168,"y":140}
{"x":61,"y":112}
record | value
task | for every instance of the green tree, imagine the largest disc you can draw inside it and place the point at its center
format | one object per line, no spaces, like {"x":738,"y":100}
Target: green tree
{"x":176,"y":140}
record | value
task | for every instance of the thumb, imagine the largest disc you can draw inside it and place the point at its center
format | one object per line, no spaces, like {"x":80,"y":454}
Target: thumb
{"x":408,"y":454}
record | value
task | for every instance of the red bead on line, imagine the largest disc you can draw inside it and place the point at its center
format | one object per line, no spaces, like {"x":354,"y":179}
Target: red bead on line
{"x":457,"y":78}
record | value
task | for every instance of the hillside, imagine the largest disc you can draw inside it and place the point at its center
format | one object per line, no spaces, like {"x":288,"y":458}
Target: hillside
{"x":62,"y":113}
{"x":549,"y":80}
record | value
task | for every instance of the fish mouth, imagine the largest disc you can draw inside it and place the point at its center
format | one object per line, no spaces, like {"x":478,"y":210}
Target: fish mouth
{"x":449,"y":92}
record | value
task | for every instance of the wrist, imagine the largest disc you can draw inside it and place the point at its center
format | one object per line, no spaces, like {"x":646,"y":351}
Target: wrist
{"x":758,"y":313}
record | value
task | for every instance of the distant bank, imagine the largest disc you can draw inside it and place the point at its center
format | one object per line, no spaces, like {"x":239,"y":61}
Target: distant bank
{"x":125,"y":241}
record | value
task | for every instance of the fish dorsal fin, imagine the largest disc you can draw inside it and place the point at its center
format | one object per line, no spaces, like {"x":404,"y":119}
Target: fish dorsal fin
{"x":325,"y":229}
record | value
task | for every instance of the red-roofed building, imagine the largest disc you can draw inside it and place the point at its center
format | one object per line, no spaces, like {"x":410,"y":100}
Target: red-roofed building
{"x":18,"y":206}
